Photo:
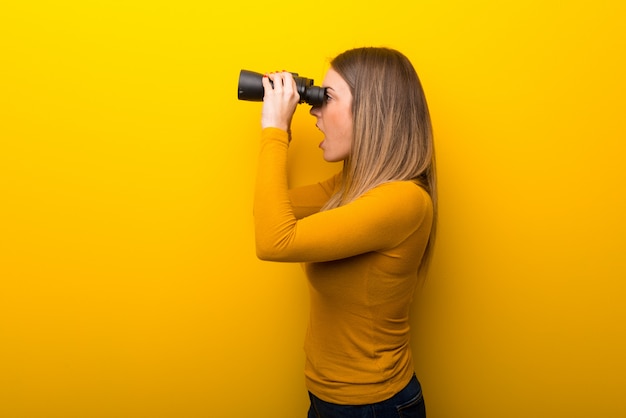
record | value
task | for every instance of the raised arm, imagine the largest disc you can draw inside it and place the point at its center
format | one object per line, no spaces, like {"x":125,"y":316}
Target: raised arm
{"x":380,"y":219}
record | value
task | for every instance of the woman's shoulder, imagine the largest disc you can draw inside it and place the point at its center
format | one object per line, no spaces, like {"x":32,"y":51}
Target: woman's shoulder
{"x":402,"y":194}
{"x":408,"y":187}
{"x":402,"y":203}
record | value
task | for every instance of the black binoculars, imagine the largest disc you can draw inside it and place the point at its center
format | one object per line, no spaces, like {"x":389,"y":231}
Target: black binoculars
{"x":251,"y":88}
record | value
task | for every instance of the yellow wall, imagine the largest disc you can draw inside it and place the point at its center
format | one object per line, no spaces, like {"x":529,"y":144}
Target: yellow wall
{"x":128,"y":282}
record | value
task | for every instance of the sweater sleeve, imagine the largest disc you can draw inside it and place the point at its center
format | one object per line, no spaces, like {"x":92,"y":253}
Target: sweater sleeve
{"x":309,"y":199}
{"x":378,"y":220}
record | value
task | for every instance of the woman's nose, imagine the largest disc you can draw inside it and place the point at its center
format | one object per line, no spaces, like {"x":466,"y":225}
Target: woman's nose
{"x":315,"y":111}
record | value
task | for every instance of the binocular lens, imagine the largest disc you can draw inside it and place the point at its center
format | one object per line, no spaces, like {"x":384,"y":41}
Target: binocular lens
{"x":251,"y":88}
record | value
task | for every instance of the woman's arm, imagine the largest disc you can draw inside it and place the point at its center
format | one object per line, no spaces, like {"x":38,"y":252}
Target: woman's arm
{"x":309,"y":199}
{"x":380,"y":219}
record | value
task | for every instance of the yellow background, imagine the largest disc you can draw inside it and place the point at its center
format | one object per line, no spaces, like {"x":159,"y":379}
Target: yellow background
{"x":129,"y":285}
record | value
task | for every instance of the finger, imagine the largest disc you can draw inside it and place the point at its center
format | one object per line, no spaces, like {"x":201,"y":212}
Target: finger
{"x":266,"y":81}
{"x":267,"y":85}
{"x":277,"y":79}
{"x":288,"y":82}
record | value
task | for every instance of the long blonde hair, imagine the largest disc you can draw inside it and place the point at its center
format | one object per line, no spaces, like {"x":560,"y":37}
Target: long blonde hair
{"x":392,"y":131}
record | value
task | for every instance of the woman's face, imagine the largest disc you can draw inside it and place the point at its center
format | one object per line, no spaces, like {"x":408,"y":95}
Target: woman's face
{"x":334,"y":118}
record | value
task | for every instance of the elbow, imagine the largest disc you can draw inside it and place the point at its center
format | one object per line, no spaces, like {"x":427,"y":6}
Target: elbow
{"x":264,"y":255}
{"x":268,"y":251}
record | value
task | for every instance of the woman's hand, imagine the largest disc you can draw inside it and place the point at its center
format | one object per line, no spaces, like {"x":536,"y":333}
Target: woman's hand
{"x":279,"y":101}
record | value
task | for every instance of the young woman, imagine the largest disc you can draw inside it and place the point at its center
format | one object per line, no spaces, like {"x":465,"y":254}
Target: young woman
{"x":364,"y":235}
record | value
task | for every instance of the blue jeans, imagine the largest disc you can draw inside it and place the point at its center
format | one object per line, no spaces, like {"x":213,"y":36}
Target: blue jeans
{"x":408,"y":403}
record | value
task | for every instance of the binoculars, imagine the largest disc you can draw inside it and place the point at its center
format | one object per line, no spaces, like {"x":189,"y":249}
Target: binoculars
{"x":251,"y":88}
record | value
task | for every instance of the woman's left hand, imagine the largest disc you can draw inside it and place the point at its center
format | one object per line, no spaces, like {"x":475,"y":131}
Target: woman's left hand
{"x":279,"y":100}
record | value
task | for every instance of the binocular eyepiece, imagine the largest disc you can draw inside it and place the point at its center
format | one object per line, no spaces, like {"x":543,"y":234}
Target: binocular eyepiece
{"x":251,"y":88}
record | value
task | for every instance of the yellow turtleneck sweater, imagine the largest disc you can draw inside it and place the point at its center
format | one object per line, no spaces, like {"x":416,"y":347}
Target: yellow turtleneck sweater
{"x":361,"y":261}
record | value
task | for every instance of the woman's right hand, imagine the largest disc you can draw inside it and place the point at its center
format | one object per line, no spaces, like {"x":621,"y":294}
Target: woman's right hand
{"x":280,"y":100}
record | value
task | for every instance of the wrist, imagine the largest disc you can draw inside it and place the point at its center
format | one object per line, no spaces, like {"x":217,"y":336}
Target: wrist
{"x":272,"y":132}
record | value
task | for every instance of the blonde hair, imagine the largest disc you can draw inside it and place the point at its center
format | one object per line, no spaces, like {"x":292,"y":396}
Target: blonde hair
{"x":392,"y":131}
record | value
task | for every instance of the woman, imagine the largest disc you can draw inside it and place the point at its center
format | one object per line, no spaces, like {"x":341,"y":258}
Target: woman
{"x":364,"y":236}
